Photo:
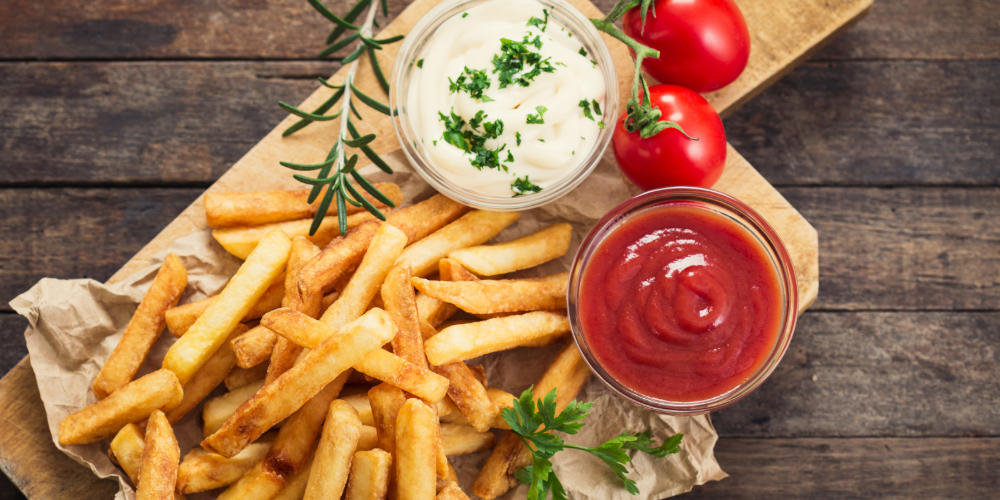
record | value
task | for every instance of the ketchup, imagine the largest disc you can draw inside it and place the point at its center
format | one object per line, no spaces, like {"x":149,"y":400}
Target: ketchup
{"x":680,"y":303}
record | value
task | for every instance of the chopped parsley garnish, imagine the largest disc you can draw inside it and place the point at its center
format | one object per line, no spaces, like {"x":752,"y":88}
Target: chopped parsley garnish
{"x":487,"y":98}
{"x":539,"y":23}
{"x":464,"y":15}
{"x":600,"y":124}
{"x":515,"y":57}
{"x":583,"y":52}
{"x":420,"y":63}
{"x":517,"y":135}
{"x":597,"y":107}
{"x":473,"y":81}
{"x":472,"y":142}
{"x":585,"y":104}
{"x":522,"y":187}
{"x":510,"y":157}
{"x":541,"y":140}
{"x":537,"y":119}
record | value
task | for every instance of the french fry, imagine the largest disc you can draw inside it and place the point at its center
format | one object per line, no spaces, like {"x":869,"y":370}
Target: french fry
{"x":240,"y":241}
{"x":568,"y":372}
{"x":369,"y":478}
{"x":398,"y":296}
{"x":451,"y":270}
{"x":368,"y":439}
{"x":452,"y":492}
{"x":460,"y":439}
{"x":421,"y":219}
{"x":240,"y":377}
{"x":201,"y":470}
{"x":126,"y":451}
{"x":416,"y":462}
{"x":377,"y":363}
{"x":262,"y":207}
{"x":473,"y":228}
{"x":335,"y":452}
{"x":180,"y":318}
{"x":217,"y":410}
{"x":258,"y":483}
{"x":295,"y":485}
{"x":501,"y":399}
{"x":285,"y":353}
{"x":437,"y":312}
{"x":469,"y":395}
{"x":522,"y":253}
{"x":209,"y":332}
{"x":143,"y":329}
{"x":160,"y":455}
{"x":452,"y":477}
{"x":131,"y":403}
{"x":254,"y":347}
{"x":386,"y":245}
{"x":361,"y":403}
{"x":277,"y":400}
{"x":211,"y":374}
{"x":498,"y":296}
{"x":386,"y":401}
{"x":335,"y":260}
{"x":480,"y":373}
{"x":461,"y":342}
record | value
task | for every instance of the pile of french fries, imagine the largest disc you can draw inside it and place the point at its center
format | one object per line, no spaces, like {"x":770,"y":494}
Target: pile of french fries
{"x":343,"y":356}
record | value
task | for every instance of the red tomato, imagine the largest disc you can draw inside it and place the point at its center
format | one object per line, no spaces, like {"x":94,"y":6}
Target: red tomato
{"x":704,"y":44}
{"x":668,"y":158}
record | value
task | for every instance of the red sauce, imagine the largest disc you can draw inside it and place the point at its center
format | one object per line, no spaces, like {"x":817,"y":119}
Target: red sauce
{"x":680,"y":303}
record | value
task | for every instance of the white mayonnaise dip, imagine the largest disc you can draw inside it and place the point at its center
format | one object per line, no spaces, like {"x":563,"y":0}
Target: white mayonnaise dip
{"x":548,"y":151}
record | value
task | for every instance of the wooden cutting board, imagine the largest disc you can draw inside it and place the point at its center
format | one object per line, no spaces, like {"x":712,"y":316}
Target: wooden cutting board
{"x":783,"y":35}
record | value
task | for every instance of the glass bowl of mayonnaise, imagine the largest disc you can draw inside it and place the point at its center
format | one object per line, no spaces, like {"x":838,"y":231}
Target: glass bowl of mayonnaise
{"x":504,"y":104}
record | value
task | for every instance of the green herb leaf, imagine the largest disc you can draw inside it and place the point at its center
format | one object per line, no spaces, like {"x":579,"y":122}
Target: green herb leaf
{"x":583,"y":52}
{"x":517,"y":135}
{"x":487,"y":98}
{"x":537,"y":119}
{"x":539,"y":23}
{"x":515,"y":57}
{"x":465,"y":15}
{"x":585,"y":104}
{"x":522,"y":187}
{"x":339,"y":45}
{"x":372,"y":103}
{"x":420,"y":63}
{"x":350,"y":17}
{"x":473,"y":81}
{"x":331,"y":16}
{"x":597,"y":107}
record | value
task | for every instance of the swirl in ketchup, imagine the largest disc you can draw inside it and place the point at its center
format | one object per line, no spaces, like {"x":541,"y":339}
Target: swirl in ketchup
{"x":680,"y":303}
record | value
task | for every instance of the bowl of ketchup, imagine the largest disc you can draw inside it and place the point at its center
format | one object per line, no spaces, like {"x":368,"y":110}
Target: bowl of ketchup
{"x":682,"y":300}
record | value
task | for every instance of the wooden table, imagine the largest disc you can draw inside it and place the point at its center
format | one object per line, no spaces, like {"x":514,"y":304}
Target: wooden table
{"x":114,"y":116}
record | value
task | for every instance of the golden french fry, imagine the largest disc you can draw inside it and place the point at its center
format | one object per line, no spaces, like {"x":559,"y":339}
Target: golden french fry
{"x":283,"y":357}
{"x":240,"y":241}
{"x":522,"y":253}
{"x":126,"y":450}
{"x":386,"y":402}
{"x":131,"y":403}
{"x":416,"y":462}
{"x":473,"y":228}
{"x":452,"y":477}
{"x":498,"y":296}
{"x":469,"y":395}
{"x":437,"y":312}
{"x":254,"y":347}
{"x":377,"y":363}
{"x":441,"y":463}
{"x":335,"y":260}
{"x":143,"y":329}
{"x":201,"y":470}
{"x":334,"y":452}
{"x":369,"y":475}
{"x":446,"y":324}
{"x":258,"y":483}
{"x":262,"y":207}
{"x":385,"y":247}
{"x":211,"y":374}
{"x":180,"y":318}
{"x":451,"y":270}
{"x":501,"y":399}
{"x":368,"y":439}
{"x":295,"y":485}
{"x":397,"y":293}
{"x":361,"y":403}
{"x":420,"y":219}
{"x":160,"y":455}
{"x":209,"y":332}
{"x":240,"y":377}
{"x":460,"y":439}
{"x":301,"y":253}
{"x":452,"y":492}
{"x":568,"y":372}
{"x":288,"y":393}
{"x":461,"y":342}
{"x":480,"y":373}
{"x":217,"y":410}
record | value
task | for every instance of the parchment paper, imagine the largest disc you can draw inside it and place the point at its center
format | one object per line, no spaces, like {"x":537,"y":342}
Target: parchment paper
{"x":75,"y":324}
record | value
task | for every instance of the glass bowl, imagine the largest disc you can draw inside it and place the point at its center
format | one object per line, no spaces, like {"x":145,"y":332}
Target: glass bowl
{"x":563,"y":14}
{"x":730,"y":208}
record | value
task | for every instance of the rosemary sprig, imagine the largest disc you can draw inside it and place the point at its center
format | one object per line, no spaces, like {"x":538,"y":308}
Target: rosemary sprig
{"x":334,"y":170}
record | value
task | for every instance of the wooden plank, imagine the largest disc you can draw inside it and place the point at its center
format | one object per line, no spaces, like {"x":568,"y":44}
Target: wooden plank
{"x":923,"y":29}
{"x":77,"y":233}
{"x":864,"y":374}
{"x":888,"y":468}
{"x":12,"y":346}
{"x":140,"y":123}
{"x":875,"y":123}
{"x":912,"y":248}
{"x":26,"y":446}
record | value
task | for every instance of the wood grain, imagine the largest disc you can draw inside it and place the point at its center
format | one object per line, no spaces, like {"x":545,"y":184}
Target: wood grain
{"x":12,"y":346}
{"x":884,"y":123}
{"x":865,"y":374}
{"x":887,"y":468}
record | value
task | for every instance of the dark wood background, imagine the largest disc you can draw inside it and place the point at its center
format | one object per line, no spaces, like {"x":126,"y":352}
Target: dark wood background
{"x":115,"y":115}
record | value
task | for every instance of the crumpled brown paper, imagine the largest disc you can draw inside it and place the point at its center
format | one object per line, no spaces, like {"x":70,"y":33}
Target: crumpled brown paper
{"x":75,"y":324}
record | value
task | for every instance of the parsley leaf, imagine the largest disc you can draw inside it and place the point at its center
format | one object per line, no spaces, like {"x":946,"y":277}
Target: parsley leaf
{"x":515,"y":57}
{"x":510,"y":157}
{"x":522,"y":187}
{"x":539,"y":23}
{"x":487,"y":98}
{"x":537,"y":119}
{"x":420,"y":63}
{"x":453,"y":130}
{"x":464,"y":15}
{"x":597,"y":107}
{"x":471,"y":141}
{"x":534,"y":427}
{"x":585,"y":104}
{"x":472,"y":81}
{"x":583,"y":52}
{"x":517,"y":135}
